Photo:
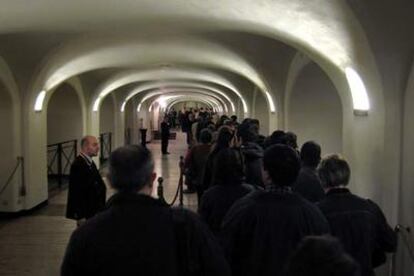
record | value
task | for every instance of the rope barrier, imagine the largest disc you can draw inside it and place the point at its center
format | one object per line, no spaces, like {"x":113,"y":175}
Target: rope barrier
{"x":179,"y":191}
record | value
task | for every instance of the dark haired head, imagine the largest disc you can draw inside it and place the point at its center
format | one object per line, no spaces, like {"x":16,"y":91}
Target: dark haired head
{"x":310,"y":154}
{"x":277,"y":137}
{"x":291,"y":139}
{"x":206,"y":136}
{"x":248,"y":131}
{"x":224,"y":137}
{"x":130,"y":168}
{"x":228,"y":167}
{"x":282,"y":164}
{"x":321,"y":256}
{"x":334,"y":171}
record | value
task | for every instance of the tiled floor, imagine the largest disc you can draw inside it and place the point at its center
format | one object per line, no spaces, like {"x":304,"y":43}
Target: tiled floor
{"x":34,"y":245}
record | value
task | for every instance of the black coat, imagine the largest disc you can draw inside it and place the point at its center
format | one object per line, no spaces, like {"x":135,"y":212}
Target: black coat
{"x":87,"y":191}
{"x":139,"y":235}
{"x":253,"y":158}
{"x":217,"y":200}
{"x":309,"y":185}
{"x":165,"y":130}
{"x":262,"y":230}
{"x":360,"y":225}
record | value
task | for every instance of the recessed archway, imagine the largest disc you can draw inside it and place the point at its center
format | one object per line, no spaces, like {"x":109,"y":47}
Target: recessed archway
{"x":315,"y":110}
{"x":64,"y":131}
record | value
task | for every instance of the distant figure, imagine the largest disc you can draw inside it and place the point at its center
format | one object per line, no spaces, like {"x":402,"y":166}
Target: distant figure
{"x":357,"y":222}
{"x":195,"y":163}
{"x":263,"y":229}
{"x":277,"y":137}
{"x":224,"y":140}
{"x":138,"y":234}
{"x":228,"y":186}
{"x":321,"y":256}
{"x":87,"y":191}
{"x":308,"y":183}
{"x":253,"y":153}
{"x":165,"y":135}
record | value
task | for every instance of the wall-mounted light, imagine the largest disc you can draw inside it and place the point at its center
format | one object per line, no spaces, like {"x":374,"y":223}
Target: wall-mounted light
{"x":271,"y":103}
{"x":358,"y":91}
{"x":139,"y":107}
{"x":39,"y":101}
{"x":96,"y":104}
{"x":123,"y":106}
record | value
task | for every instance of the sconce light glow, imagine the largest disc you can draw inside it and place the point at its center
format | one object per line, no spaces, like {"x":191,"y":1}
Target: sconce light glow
{"x":359,"y":93}
{"x":139,"y":107}
{"x":39,"y":101}
{"x":123,"y":106}
{"x":150,"y":108}
{"x":271,"y":103}
{"x":96,"y":104}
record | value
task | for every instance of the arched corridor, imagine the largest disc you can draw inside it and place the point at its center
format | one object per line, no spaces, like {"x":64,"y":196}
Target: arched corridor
{"x":336,"y":72}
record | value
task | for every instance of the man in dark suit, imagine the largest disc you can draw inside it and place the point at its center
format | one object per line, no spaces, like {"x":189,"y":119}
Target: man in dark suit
{"x":87,"y":191}
{"x":165,"y":135}
{"x":137,"y":234}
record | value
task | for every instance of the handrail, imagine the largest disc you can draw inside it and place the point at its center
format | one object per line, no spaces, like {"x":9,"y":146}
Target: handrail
{"x":405,"y":232}
{"x":9,"y":179}
{"x":179,"y":192}
{"x":61,"y":143}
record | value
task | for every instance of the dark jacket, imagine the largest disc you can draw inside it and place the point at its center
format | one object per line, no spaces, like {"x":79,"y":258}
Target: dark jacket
{"x":253,"y":158}
{"x":139,"y":235}
{"x":360,"y":225}
{"x":87,"y":191}
{"x":309,"y":185}
{"x":217,"y":200}
{"x":165,"y":130}
{"x":195,"y":162}
{"x":262,"y":230}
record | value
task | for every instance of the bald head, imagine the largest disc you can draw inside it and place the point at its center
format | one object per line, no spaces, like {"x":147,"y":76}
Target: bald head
{"x":90,"y":145}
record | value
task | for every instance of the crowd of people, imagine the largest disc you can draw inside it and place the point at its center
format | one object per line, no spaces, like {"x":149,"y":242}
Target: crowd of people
{"x":265,"y":207}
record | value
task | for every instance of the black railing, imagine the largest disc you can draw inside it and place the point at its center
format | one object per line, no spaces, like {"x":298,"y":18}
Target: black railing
{"x":405,"y":235}
{"x":128,"y":136}
{"x":60,"y":156}
{"x":19,"y":164}
{"x":105,"y":140}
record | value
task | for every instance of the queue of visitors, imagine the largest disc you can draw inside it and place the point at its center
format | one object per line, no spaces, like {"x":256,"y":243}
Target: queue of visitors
{"x":265,"y":207}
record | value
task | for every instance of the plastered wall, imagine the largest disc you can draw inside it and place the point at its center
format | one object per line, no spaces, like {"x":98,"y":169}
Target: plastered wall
{"x":64,"y":116}
{"x":315,"y":111}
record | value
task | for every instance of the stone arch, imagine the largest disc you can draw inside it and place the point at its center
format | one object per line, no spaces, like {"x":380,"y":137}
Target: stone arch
{"x":315,"y":110}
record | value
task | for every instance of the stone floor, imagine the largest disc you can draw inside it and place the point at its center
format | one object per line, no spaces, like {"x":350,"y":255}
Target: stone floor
{"x":34,"y":245}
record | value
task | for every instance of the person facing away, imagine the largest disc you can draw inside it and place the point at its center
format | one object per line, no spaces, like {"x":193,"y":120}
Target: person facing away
{"x":357,"y":222}
{"x":321,"y":256}
{"x":165,"y":135}
{"x":252,"y":152}
{"x":195,"y":162}
{"x":87,"y":191}
{"x":224,"y":140}
{"x":262,"y":229}
{"x":308,"y":183}
{"x":228,"y":186}
{"x":140,"y":235}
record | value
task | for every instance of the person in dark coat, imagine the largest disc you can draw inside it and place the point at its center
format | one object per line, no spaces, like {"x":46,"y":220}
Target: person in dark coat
{"x":262,"y":229}
{"x":165,"y":135}
{"x":308,"y":183}
{"x":228,"y":186}
{"x":138,"y":234}
{"x":195,"y":163}
{"x":224,"y":140}
{"x":321,"y":256}
{"x":252,"y":152}
{"x":357,"y":222}
{"x":87,"y":191}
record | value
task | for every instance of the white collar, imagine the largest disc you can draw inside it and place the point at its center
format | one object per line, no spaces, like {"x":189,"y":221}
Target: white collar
{"x":87,"y":158}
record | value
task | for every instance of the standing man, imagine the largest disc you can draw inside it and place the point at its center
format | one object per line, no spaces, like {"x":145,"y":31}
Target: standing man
{"x":87,"y":191}
{"x":165,"y":135}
